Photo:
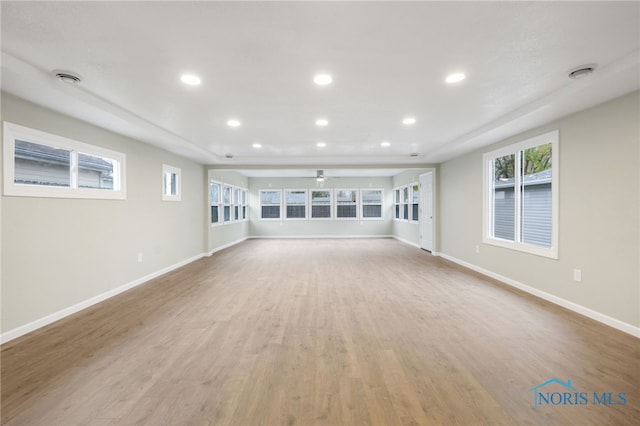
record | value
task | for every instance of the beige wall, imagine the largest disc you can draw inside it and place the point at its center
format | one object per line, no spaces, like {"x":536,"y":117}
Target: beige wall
{"x":60,"y":252}
{"x":307,"y":228}
{"x":599,"y":213}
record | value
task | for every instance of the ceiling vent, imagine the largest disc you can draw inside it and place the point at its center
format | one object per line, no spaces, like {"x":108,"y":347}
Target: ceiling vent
{"x":414,"y":154}
{"x":228,"y":156}
{"x":67,"y":76}
{"x":582,"y":71}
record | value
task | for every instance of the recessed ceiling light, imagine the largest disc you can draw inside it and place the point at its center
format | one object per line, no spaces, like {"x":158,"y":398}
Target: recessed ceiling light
{"x":321,"y":144}
{"x":257,"y":145}
{"x":322,"y":122}
{"x":408,"y":121}
{"x":190,"y":79}
{"x":455,"y":78}
{"x":322,"y":79}
{"x":385,"y":143}
{"x":233,"y":123}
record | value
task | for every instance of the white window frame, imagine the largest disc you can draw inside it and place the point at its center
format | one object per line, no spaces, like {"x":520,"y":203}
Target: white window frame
{"x":237,"y":204}
{"x":217,"y":204}
{"x":245,"y":205}
{"x":397,"y":202}
{"x":381,"y":204}
{"x":306,"y":204}
{"x":13,"y":132}
{"x":260,"y":204}
{"x":487,"y":199}
{"x":229,"y":204}
{"x":411,"y":203}
{"x":337,"y":203}
{"x":310,"y":215}
{"x":170,"y":170}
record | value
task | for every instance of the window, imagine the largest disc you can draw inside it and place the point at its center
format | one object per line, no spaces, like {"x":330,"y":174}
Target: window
{"x":295,"y":201}
{"x":397,"y":193}
{"x":237,"y":204}
{"x":371,"y":200}
{"x":245,"y":204}
{"x":346,"y":203}
{"x":227,"y":194}
{"x":39,"y":164}
{"x":405,"y":202}
{"x":521,"y":196}
{"x":270,"y":201}
{"x":415,"y":201}
{"x":170,"y":183}
{"x":321,"y":204}
{"x":214,"y":199}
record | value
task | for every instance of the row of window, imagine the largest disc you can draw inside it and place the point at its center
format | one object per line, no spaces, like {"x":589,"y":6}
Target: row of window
{"x":321,"y":204}
{"x":228,"y":203}
{"x":406,"y":202}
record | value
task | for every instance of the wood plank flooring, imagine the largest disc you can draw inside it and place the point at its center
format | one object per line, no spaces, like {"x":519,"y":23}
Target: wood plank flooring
{"x":318,"y":332}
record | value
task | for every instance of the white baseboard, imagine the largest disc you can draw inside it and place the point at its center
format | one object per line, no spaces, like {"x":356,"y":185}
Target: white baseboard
{"x":257,"y":237}
{"x":605,"y":319}
{"x":407,"y":242}
{"x":222,"y":247}
{"x":34,"y":325}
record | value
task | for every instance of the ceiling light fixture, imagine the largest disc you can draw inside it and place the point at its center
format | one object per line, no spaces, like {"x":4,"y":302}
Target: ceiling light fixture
{"x":409,"y":121}
{"x":321,"y":144}
{"x":385,"y":143}
{"x":257,"y":145}
{"x":322,"y":79}
{"x":322,"y":122}
{"x":190,"y":79}
{"x":67,"y":76}
{"x":233,"y":123}
{"x":455,"y":78}
{"x":582,"y":71}
{"x":320,"y":176}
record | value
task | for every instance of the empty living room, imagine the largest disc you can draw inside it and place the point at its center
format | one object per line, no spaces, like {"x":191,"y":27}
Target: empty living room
{"x":319,"y":213}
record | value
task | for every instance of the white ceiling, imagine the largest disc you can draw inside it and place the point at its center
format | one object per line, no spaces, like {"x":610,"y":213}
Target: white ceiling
{"x":257,"y":61}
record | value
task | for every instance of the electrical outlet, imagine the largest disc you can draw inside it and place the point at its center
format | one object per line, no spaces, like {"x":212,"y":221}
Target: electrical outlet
{"x":139,"y":257}
{"x":577,"y":275}
{"x":477,"y":249}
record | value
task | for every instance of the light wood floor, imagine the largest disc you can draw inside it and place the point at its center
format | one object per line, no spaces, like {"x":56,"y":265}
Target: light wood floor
{"x":317,"y":332}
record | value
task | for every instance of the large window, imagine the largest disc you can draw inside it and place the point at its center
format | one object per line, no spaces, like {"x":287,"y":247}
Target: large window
{"x":295,"y":201}
{"x":346,"y":203}
{"x":371,"y":202}
{"x":39,"y":164}
{"x":214,"y":199}
{"x":270,"y":202}
{"x":321,"y":204}
{"x":227,"y":196}
{"x":415,"y":201}
{"x":171,"y":177}
{"x":521,"y":196}
{"x":245,"y":204}
{"x":405,"y":202}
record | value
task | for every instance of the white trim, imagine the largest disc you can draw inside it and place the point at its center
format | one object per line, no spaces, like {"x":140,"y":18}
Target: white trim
{"x":602,"y":318}
{"x":13,"y":132}
{"x":407,"y":242}
{"x":39,"y":323}
{"x":552,"y":137}
{"x":225,"y":246}
{"x":171,"y":170}
{"x":266,"y":237}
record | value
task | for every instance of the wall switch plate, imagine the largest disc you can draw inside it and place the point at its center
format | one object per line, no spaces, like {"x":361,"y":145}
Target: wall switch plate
{"x":577,"y":275}
{"x":477,"y":249}
{"x":139,"y":257}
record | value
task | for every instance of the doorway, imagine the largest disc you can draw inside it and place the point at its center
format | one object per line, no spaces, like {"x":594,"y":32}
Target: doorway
{"x":426,"y":211}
